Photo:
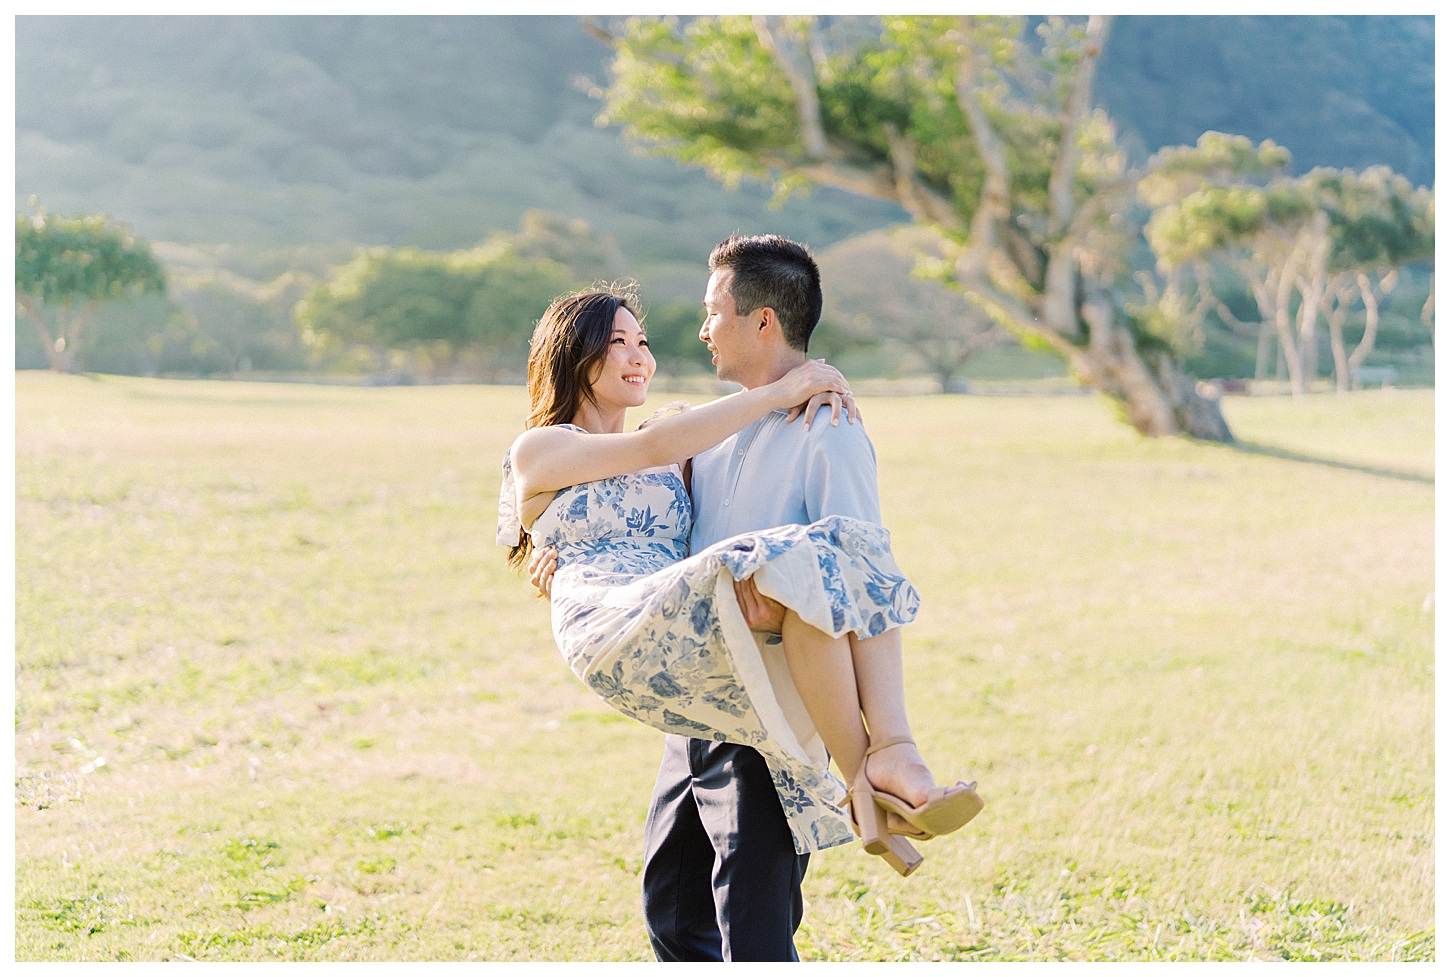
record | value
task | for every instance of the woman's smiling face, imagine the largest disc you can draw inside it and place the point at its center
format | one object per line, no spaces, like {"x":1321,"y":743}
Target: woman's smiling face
{"x":622,"y":378}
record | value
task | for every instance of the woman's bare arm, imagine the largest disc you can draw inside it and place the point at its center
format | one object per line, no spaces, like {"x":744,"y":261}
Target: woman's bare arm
{"x":546,"y":459}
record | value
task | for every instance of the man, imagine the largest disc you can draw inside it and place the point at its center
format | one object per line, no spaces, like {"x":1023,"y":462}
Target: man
{"x":722,"y":875}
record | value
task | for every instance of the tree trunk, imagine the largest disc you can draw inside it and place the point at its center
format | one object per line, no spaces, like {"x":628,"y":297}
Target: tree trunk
{"x":1336,"y":345}
{"x":1308,"y":344}
{"x":1427,"y":311}
{"x":28,"y":305}
{"x":62,"y":352}
{"x":1371,"y":323}
{"x":60,"y":347}
{"x":1263,"y":298}
{"x":1266,"y":345}
{"x":1338,"y":296}
{"x":1311,"y":295}
{"x":1288,"y":348}
{"x":1059,"y":291}
{"x":1155,"y":394}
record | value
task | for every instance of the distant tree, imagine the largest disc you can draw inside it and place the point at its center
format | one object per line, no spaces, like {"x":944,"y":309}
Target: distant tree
{"x":1218,"y":199}
{"x":1377,"y":223}
{"x":248,"y":323}
{"x":992,"y":140}
{"x":406,"y":299}
{"x":1427,"y":311}
{"x":1320,"y":236}
{"x":510,"y":294}
{"x":587,"y":255}
{"x":873,"y":293}
{"x":71,"y":266}
{"x":384,"y":300}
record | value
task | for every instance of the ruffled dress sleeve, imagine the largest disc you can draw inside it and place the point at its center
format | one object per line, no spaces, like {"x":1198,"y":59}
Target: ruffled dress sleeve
{"x":510,"y":530}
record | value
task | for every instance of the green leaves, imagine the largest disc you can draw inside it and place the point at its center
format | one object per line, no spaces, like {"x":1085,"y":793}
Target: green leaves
{"x":1209,"y":219}
{"x":1376,"y":218}
{"x":707,"y":93}
{"x":62,"y":260}
{"x":1209,"y":199}
{"x":1216,"y":159}
{"x":487,"y":297}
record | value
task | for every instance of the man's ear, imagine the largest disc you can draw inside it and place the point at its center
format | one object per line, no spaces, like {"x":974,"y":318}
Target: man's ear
{"x":767,"y":319}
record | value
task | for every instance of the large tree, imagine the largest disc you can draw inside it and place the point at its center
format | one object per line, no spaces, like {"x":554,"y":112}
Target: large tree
{"x":971,"y":129}
{"x":67,"y":267}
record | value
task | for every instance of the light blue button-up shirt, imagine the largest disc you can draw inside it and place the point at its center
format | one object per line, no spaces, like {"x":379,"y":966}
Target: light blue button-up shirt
{"x":777,"y":474}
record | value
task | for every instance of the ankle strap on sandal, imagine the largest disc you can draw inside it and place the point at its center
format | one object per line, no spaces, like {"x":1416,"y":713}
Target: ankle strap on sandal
{"x":893,"y":741}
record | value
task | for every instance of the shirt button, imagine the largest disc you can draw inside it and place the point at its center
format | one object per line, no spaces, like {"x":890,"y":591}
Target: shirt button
{"x":727,"y":501}
{"x":741,"y":452}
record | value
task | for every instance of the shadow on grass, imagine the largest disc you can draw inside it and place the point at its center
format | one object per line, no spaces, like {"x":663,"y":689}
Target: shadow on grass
{"x":1251,"y":448}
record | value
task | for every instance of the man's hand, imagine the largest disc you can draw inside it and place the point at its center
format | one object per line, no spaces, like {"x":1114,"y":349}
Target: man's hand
{"x":761,"y":613}
{"x":541,"y":570}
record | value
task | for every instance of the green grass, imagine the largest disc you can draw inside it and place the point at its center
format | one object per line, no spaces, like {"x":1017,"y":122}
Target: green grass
{"x":1195,"y":684}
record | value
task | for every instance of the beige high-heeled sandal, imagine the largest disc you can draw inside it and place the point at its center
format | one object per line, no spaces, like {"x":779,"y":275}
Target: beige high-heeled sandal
{"x":868,"y":820}
{"x":946,"y":808}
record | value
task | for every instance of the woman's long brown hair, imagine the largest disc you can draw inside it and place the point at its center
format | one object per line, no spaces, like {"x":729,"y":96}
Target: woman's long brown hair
{"x":571,"y":339}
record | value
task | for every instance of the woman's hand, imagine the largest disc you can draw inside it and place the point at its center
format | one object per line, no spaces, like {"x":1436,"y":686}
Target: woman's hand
{"x":668,"y":410}
{"x":806,"y":381}
{"x":838,"y":403}
{"x":542,"y":565}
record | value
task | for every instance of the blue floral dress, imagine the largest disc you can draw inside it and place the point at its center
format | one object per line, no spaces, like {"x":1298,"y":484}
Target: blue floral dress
{"x":658,"y":634}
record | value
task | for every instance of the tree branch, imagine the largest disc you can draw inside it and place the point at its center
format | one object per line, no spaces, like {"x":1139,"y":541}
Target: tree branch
{"x":31,"y":309}
{"x":1371,"y":323}
{"x":921,"y":202}
{"x":800,"y":70}
{"x":875,"y":182}
{"x":1109,"y":195}
{"x":1079,"y":104}
{"x":595,"y":30}
{"x":995,"y":204}
{"x":1012,"y":315}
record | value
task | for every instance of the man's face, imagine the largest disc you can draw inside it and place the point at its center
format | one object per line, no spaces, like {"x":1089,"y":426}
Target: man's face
{"x":733,"y":337}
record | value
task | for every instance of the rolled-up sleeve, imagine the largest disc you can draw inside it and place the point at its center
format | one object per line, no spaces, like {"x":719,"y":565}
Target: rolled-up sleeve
{"x":840,"y":473}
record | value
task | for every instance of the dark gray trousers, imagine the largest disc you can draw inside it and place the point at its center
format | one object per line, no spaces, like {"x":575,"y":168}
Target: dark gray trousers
{"x":722,"y":880}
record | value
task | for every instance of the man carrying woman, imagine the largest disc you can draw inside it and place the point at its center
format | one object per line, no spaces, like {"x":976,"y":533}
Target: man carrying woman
{"x":786,"y":532}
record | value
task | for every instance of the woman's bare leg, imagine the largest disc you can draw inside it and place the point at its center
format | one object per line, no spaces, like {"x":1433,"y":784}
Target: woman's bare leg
{"x":825,"y":677}
{"x":881,"y":687}
{"x":839,"y":679}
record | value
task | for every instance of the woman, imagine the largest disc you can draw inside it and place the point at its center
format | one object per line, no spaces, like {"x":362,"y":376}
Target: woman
{"x":658,"y":636}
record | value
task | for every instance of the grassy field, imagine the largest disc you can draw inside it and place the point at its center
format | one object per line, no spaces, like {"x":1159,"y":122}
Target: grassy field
{"x":277,"y":697}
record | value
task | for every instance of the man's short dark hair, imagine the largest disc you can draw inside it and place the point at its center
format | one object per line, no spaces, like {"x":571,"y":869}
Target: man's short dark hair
{"x":770,"y":270}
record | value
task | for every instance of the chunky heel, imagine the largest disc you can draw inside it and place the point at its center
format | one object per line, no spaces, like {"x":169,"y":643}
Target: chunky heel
{"x":868,"y":819}
{"x":901,"y":856}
